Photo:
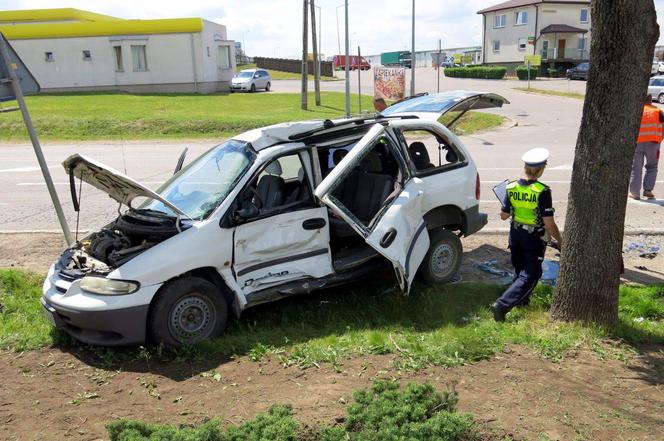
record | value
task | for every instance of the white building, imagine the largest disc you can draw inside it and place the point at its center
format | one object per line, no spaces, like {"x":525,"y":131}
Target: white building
{"x":558,"y":30}
{"x":70,"y":49}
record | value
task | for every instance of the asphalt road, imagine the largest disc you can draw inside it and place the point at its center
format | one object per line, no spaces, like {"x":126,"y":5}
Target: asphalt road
{"x":541,"y":121}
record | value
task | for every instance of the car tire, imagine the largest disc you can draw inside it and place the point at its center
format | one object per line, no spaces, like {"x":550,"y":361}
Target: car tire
{"x":443,"y":258}
{"x":267,"y":87}
{"x":252,"y":89}
{"x":186,"y":311}
{"x":660,"y":98}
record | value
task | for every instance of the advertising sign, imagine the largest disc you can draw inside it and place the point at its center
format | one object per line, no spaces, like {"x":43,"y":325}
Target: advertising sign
{"x":390,"y":83}
{"x":535,"y":60}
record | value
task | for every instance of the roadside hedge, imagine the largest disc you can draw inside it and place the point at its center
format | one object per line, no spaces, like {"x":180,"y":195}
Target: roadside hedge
{"x":484,"y":72}
{"x":522,"y":72}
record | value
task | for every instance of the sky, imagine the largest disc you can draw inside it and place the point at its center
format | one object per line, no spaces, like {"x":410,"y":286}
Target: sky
{"x":273,"y":28}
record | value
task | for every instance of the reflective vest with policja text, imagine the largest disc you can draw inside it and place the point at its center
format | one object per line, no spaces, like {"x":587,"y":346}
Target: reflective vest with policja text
{"x":524,"y":200}
{"x":651,"y":126}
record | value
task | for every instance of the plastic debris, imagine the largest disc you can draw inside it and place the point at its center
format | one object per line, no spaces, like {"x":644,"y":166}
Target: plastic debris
{"x":490,"y":267}
{"x":550,"y":269}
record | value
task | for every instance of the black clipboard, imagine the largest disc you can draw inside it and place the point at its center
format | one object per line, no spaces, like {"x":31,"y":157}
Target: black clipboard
{"x":500,"y":191}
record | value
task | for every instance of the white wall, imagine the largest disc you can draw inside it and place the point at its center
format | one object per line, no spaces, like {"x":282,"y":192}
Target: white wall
{"x":169,"y":61}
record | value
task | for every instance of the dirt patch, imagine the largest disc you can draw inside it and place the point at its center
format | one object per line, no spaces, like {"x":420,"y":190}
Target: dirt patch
{"x":36,"y":252}
{"x":53,"y":394}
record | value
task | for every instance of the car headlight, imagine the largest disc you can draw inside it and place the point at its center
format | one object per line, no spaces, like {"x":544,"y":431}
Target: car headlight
{"x":108,"y":287}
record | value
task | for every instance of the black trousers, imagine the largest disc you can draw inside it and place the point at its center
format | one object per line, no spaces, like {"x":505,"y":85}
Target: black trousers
{"x":527,"y":256}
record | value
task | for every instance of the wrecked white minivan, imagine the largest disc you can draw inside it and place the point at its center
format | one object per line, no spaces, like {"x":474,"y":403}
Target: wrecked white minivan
{"x":273,"y":212}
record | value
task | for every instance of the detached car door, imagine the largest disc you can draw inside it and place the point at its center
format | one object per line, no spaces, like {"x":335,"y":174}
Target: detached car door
{"x":398,"y":231}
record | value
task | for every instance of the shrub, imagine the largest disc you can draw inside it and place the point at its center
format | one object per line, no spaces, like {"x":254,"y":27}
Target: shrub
{"x":553,"y":73}
{"x":484,"y":72}
{"x":522,"y":72}
{"x":416,"y":413}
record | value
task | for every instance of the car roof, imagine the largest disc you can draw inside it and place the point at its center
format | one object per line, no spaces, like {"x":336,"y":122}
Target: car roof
{"x":250,"y":70}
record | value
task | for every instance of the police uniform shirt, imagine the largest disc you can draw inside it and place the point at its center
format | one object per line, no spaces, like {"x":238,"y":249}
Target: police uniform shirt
{"x":544,"y":203}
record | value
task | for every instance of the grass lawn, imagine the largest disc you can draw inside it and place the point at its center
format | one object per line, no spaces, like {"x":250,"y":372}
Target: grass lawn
{"x":281,"y":75}
{"x":445,"y":326}
{"x":579,"y":96}
{"x":91,"y":116}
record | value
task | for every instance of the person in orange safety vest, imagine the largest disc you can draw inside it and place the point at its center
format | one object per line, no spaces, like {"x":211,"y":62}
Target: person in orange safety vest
{"x":647,"y":149}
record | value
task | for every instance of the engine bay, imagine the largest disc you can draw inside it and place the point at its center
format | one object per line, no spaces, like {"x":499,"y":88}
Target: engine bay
{"x":126,"y":237}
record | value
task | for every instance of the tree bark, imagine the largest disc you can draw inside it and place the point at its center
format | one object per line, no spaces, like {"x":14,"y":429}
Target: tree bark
{"x":622,"y":48}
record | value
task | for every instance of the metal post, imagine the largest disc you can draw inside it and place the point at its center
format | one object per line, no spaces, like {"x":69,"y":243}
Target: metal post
{"x":316,"y":54}
{"x":320,"y":39}
{"x":347,"y":62}
{"x":305,"y":69}
{"x":338,"y":34}
{"x":18,"y":93}
{"x":412,"y":56}
{"x":528,"y":67}
{"x":359,"y":80}
{"x":439,"y":65}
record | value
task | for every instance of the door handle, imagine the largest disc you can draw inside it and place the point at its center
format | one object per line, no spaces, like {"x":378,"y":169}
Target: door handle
{"x":314,"y":224}
{"x":388,"y":238}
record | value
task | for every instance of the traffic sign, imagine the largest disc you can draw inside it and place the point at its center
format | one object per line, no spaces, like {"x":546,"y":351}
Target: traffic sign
{"x":457,"y":58}
{"x":28,"y":83}
{"x":534,"y":60}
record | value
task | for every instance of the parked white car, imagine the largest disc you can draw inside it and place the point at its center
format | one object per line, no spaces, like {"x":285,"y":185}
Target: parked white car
{"x":250,"y":80}
{"x":267,"y":215}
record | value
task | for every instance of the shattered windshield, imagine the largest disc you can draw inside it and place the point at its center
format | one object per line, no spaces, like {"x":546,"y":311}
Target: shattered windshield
{"x":201,"y":186}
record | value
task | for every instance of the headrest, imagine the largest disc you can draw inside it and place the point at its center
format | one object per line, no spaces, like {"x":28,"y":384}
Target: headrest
{"x":300,"y":175}
{"x":274,"y":168}
{"x":419,"y":153}
{"x":372,"y":163}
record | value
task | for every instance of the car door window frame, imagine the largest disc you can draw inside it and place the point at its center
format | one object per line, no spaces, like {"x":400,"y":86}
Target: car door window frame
{"x":227,"y":221}
{"x":462,"y":160}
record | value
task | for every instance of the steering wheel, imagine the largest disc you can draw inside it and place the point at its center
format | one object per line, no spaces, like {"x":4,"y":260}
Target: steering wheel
{"x":259,"y":200}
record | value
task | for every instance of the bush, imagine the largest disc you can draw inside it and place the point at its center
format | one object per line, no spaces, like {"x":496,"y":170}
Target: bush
{"x":522,"y":72}
{"x":485,"y":72}
{"x":416,"y":413}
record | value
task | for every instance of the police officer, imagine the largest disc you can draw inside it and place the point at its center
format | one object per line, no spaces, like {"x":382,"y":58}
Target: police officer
{"x":528,"y":202}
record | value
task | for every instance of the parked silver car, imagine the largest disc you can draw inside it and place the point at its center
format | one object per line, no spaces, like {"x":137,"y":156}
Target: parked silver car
{"x":656,"y":88}
{"x":249,"y":80}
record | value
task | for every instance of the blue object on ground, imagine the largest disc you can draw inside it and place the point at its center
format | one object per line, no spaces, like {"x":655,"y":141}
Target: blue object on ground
{"x":550,"y":271}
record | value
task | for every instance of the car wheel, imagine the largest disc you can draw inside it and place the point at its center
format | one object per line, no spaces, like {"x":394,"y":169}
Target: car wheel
{"x":252,"y":89}
{"x":187,"y":310}
{"x":443,"y":259}
{"x":660,"y":98}
{"x":267,"y":87}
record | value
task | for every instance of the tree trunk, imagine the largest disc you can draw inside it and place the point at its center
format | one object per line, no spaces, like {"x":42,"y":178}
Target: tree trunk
{"x":624,"y":33}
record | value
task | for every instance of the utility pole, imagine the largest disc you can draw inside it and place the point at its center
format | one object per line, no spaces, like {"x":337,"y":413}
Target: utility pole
{"x":305,"y":52}
{"x":439,"y":66}
{"x":316,"y":54}
{"x":359,"y":80}
{"x":347,"y":63}
{"x":338,"y":34}
{"x":412,"y":56}
{"x":18,"y":95}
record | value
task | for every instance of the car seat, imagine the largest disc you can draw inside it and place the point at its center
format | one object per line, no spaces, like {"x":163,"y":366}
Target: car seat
{"x":420,"y":156}
{"x":270,"y":187}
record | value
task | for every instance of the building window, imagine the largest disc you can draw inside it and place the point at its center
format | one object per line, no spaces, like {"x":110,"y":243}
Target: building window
{"x":545,"y":49}
{"x":224,"y":57}
{"x":582,"y":43}
{"x":48,"y":56}
{"x":87,"y":56}
{"x":521,"y":18}
{"x":117,"y":51}
{"x":138,"y":58}
{"x":496,"y":45}
{"x":523,"y":43}
{"x":499,"y":21}
{"x":584,"y":16}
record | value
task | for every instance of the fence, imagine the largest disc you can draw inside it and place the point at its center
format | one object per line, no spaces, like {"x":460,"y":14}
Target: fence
{"x":295,"y":66}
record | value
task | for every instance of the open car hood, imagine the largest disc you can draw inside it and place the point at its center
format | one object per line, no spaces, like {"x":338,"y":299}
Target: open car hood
{"x":434,"y":106}
{"x":117,"y":185}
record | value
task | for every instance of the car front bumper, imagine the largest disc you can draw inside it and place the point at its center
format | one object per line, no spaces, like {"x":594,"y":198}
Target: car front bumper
{"x":241,"y":86}
{"x":94,"y":319}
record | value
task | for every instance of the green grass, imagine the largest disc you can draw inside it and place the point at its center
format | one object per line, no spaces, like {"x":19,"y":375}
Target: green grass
{"x":383,"y":412}
{"x":90,"y":116}
{"x":281,"y":75}
{"x":473,"y":122}
{"x":575,"y":95}
{"x":446,"y":326}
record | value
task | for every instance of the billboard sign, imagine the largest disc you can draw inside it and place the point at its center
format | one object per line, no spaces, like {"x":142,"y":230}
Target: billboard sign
{"x":389,"y":83}
{"x":28,"y":83}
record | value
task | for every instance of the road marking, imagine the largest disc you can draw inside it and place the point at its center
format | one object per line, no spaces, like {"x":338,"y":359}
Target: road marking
{"x":23,"y":169}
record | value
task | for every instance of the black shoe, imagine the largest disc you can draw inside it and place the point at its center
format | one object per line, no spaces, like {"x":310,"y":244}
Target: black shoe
{"x":498,"y":313}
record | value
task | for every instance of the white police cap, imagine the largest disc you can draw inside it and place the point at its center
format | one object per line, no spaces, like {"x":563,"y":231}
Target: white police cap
{"x":536,"y":157}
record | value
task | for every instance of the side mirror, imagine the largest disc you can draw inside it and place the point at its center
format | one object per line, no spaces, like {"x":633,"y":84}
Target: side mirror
{"x":180,"y":163}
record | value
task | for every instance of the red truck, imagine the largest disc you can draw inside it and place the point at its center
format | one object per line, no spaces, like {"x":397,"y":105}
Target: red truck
{"x":355,"y":62}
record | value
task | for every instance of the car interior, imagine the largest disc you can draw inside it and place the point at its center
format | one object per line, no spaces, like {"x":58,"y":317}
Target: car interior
{"x":421,"y":143}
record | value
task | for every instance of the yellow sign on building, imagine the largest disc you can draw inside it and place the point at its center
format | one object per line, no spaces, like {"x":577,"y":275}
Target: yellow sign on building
{"x":535,"y":60}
